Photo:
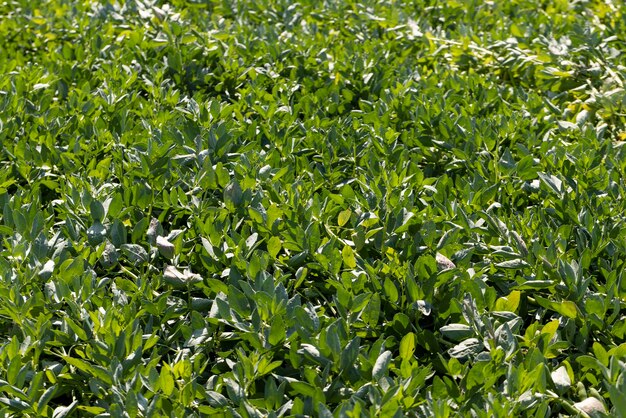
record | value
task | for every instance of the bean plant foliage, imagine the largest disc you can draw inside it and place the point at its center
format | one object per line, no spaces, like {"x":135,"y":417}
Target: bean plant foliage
{"x":341,"y":208}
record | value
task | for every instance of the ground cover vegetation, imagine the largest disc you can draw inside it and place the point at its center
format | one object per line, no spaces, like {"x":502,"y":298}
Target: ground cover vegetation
{"x":322,"y":208}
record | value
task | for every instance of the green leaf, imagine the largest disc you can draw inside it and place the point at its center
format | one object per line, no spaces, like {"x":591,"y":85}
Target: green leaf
{"x":513,"y":265}
{"x":96,"y":233}
{"x":535,"y":285}
{"x":110,"y":256}
{"x":348,"y":257}
{"x":456,"y":332}
{"x":554,"y":183}
{"x":600,"y":353}
{"x":566,"y":308}
{"x":80,"y":332}
{"x":617,"y":397}
{"x":166,"y":381}
{"x":381,"y":365}
{"x":509,"y":303}
{"x":118,"y":233}
{"x":216,"y":399}
{"x":344,"y":217}
{"x":466,"y":348}
{"x":350,"y":353}
{"x":15,"y":404}
{"x":391,"y":291}
{"x":46,"y":397}
{"x":516,"y":31}
{"x":368,"y":219}
{"x":273,"y":246}
{"x":73,"y":267}
{"x":407,"y":346}
{"x":305,"y":389}
{"x":277,"y":332}
{"x":269,"y":367}
{"x":135,"y":253}
{"x":414,"y":292}
{"x":476,"y":376}
{"x":13,"y":370}
{"x":97,"y":211}
{"x":447,"y":237}
{"x":371,"y":313}
{"x":92,"y":370}
{"x":180,"y":280}
{"x":233,"y":196}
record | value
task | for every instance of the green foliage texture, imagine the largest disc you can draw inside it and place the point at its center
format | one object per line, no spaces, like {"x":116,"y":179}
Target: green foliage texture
{"x":334,"y":208}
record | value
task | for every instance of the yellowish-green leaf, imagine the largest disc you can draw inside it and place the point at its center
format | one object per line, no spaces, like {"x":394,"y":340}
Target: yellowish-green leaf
{"x":344,"y":217}
{"x":273,"y":246}
{"x":407,"y":346}
{"x":348,"y":257}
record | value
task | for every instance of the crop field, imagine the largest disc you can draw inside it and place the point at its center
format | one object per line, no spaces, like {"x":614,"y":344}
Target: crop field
{"x":337,"y":208}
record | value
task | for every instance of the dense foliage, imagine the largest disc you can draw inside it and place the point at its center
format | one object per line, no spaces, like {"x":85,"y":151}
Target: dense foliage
{"x":328,"y":208}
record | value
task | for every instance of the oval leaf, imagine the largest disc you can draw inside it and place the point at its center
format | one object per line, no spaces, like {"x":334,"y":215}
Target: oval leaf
{"x":381,"y":365}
